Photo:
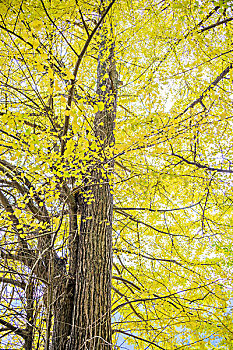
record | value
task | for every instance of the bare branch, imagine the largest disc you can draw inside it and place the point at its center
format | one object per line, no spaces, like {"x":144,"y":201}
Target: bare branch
{"x":60,"y":32}
{"x":7,"y":206}
{"x":161,"y":297}
{"x":158,"y":210}
{"x":136,"y":337}
{"x":130,"y":217}
{"x":14,"y":329}
{"x":18,"y":36}
{"x":210,"y":87}
{"x":84,"y":23}
{"x":118,"y":278}
{"x":202,"y":166}
{"x":216,"y":24}
{"x":19,"y":284}
{"x":11,"y":171}
{"x":130,"y":305}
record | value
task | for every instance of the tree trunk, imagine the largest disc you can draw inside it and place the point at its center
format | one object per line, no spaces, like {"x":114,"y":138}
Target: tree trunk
{"x":63,"y":308}
{"x":29,"y":315}
{"x":82,"y":315}
{"x":91,"y":325}
{"x":91,"y":328}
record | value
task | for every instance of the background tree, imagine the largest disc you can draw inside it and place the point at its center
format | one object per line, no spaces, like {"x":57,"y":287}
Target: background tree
{"x":127,"y":98}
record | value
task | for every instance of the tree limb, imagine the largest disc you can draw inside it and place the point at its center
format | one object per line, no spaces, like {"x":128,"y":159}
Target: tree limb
{"x":60,"y":32}
{"x":136,"y":337}
{"x":19,"y":284}
{"x":158,"y":210}
{"x":145,"y":224}
{"x":160,"y":297}
{"x":202,"y":166}
{"x":216,"y":24}
{"x":210,"y":87}
{"x":130,"y":305}
{"x":14,"y":329}
{"x":118,"y":278}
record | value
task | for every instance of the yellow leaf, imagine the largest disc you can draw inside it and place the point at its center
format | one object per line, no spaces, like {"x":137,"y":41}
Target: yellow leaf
{"x":56,"y":86}
{"x":69,"y":147}
{"x":40,"y":67}
{"x":17,"y":212}
{"x":36,"y":43}
{"x":50,"y":73}
{"x":63,"y":99}
{"x":68,"y":74}
{"x":36,"y":24}
{"x":95,"y":109}
{"x":101,"y":106}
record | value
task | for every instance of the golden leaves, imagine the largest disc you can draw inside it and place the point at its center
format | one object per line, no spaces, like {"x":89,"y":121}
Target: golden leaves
{"x":36,"y":24}
{"x":70,"y":145}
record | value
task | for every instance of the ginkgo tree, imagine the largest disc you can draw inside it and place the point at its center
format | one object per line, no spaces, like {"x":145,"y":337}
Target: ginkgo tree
{"x":115,"y":174}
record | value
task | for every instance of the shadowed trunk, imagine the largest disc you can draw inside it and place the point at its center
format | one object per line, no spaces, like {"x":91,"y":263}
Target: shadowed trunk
{"x":63,"y":289}
{"x":63,"y":308}
{"x":29,"y":315}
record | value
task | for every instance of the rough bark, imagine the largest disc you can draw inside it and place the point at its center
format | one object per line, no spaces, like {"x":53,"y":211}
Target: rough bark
{"x":82,"y":297}
{"x":63,"y":308}
{"x":63,"y":288}
{"x":29,"y":316}
{"x":91,"y":324}
{"x":91,"y":327}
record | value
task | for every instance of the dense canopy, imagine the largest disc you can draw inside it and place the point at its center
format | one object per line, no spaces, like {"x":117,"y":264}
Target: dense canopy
{"x":116,"y":174}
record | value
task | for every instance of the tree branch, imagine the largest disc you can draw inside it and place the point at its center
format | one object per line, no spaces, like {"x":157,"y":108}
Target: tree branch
{"x":216,"y":24}
{"x":84,"y":23}
{"x":148,"y":257}
{"x":7,"y":206}
{"x":145,"y":224}
{"x":37,"y":212}
{"x":130,"y":305}
{"x":136,"y":337}
{"x":21,"y":285}
{"x":159,"y":297}
{"x":17,"y":36}
{"x":210,"y":87}
{"x":202,"y":166}
{"x":118,"y":278}
{"x":158,"y":210}
{"x":14,"y":329}
{"x":60,"y":32}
